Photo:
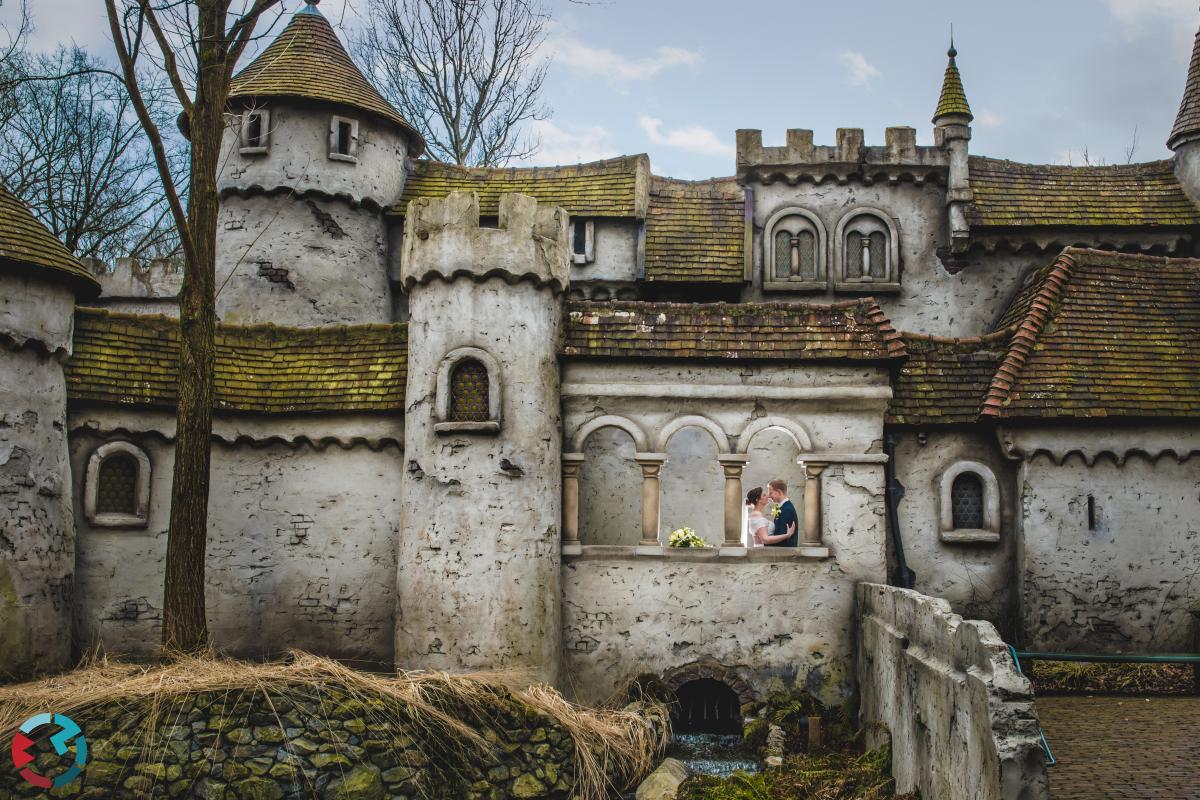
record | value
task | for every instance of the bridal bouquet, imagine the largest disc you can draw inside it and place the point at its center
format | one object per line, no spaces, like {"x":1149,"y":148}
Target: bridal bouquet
{"x":686,"y":537}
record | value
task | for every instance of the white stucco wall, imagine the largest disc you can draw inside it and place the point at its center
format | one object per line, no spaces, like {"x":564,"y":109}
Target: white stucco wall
{"x":610,"y":490}
{"x":301,"y":551}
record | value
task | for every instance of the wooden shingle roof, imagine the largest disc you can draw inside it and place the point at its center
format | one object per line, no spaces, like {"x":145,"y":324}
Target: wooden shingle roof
{"x":617,"y":187}
{"x":27,"y":246}
{"x":695,"y":231}
{"x":1010,"y":194}
{"x":944,"y":380}
{"x":1187,"y":121}
{"x":133,"y":360}
{"x":308,"y":62}
{"x":1100,"y":334}
{"x":855,"y":330}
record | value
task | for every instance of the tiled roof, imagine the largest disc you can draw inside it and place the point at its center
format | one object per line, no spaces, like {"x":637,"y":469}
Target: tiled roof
{"x":1101,"y":334}
{"x":953,"y":99}
{"x":617,"y":187}
{"x":128,"y":359}
{"x":855,"y":330}
{"x":1187,"y":121}
{"x":695,"y":231}
{"x":307,"y":61}
{"x":26,"y":245}
{"x":944,"y":380}
{"x":1012,"y":194}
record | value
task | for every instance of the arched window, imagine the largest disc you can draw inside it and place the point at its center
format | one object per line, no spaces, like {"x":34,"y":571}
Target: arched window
{"x":968,"y":503}
{"x":467,"y":397}
{"x":116,"y":492}
{"x":794,"y":251}
{"x":867,"y":251}
{"x":469,"y":392}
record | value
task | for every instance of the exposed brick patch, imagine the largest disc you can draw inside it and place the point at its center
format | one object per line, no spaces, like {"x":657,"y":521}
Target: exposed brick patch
{"x":326,"y":221}
{"x":275,"y":274}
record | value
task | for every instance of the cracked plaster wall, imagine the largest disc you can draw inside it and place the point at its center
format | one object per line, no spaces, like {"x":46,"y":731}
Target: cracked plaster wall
{"x":301,"y":552}
{"x":1132,"y":583}
{"x":37,"y":532}
{"x":978,"y":579}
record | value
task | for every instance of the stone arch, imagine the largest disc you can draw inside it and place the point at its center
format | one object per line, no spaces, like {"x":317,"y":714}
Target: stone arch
{"x":139,"y":515}
{"x":893,"y":241}
{"x":579,"y":438}
{"x":711,"y":669}
{"x":794,"y":429}
{"x":693,"y":421}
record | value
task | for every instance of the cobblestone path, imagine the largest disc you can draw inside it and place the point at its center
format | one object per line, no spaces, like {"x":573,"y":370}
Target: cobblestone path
{"x":1122,"y":748}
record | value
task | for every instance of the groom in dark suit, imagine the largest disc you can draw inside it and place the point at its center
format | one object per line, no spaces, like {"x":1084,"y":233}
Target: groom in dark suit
{"x":787,"y":526}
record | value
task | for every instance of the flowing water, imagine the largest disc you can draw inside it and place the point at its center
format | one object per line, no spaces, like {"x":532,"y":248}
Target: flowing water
{"x":713,"y":754}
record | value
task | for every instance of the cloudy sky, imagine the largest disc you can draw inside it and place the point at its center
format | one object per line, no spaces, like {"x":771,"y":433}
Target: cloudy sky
{"x":1047,"y":79}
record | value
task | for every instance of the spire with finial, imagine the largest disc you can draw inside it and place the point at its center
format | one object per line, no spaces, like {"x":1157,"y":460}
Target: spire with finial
{"x":310,"y":7}
{"x":1187,"y":121}
{"x":953,"y":100}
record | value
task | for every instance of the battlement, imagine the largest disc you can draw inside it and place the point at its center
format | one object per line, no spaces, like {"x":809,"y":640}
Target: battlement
{"x":443,"y":237}
{"x":801,"y":157}
{"x":159,"y":279}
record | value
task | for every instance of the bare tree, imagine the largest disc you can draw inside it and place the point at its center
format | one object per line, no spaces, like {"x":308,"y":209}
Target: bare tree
{"x":467,"y":73}
{"x":75,"y":153}
{"x":195,"y":45}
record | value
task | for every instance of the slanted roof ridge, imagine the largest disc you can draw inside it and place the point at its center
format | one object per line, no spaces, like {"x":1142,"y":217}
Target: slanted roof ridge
{"x":866,"y":303}
{"x":1026,"y":333}
{"x":998,"y":335}
{"x":1072,"y":167}
{"x":28,"y":246}
{"x":629,"y":163}
{"x":256,"y":327}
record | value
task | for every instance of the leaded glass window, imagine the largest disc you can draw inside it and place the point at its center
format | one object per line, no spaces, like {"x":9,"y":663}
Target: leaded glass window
{"x":878,"y":256}
{"x":854,"y":255}
{"x":783,"y":255}
{"x":469,"y":392}
{"x":966,"y":501}
{"x":116,"y":491}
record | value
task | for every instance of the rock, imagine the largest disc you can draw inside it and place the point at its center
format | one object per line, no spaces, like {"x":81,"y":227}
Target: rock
{"x":103,"y":772}
{"x":323,"y":760}
{"x":527,"y":785}
{"x":269,"y":734}
{"x":355,"y":725}
{"x":240,"y":736}
{"x":302,"y":745}
{"x":663,"y":783}
{"x":257,"y":788}
{"x":397,"y":775}
{"x":361,"y":783}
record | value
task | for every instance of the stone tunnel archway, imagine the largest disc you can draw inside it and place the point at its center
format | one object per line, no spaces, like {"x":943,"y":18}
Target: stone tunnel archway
{"x":710,"y":698}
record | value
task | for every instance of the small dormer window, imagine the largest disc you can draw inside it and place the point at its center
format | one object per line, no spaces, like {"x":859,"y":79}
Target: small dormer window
{"x":794,"y":251}
{"x":867,"y":252}
{"x":256,"y":132}
{"x":583,"y":248}
{"x":343,"y":139}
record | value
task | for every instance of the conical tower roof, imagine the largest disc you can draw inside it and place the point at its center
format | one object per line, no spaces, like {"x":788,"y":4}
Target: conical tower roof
{"x":307,"y":61}
{"x":1187,"y":121}
{"x":27,"y":246}
{"x":953,"y":99}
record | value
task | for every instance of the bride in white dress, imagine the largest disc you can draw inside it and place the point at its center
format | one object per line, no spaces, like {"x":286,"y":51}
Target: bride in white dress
{"x":760,"y":526}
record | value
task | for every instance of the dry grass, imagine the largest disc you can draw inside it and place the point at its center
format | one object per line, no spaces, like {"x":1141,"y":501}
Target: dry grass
{"x":447,"y":710}
{"x":1050,"y":677}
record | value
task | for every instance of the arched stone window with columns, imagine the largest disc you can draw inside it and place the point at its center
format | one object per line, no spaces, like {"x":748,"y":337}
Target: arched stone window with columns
{"x":794,"y":251}
{"x":866,"y":252}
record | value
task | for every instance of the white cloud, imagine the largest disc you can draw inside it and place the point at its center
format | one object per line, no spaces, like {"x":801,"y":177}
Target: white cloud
{"x":570,"y":144}
{"x":600,"y":61}
{"x":860,"y":72}
{"x":690,"y":138}
{"x":1130,"y":10}
{"x":988,"y":119}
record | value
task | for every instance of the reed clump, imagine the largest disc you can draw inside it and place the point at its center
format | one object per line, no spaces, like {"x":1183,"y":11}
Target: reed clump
{"x":1077,"y":677}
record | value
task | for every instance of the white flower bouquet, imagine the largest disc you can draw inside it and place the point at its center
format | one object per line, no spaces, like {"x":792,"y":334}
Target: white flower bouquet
{"x":686,"y":537}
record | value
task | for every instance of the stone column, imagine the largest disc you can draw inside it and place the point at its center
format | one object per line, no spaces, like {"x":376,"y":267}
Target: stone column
{"x":732,"y":466}
{"x":810,"y":542}
{"x":651,"y":464}
{"x":571,"y":462}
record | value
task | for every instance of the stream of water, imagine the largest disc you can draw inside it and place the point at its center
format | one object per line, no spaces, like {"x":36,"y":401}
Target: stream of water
{"x":713,"y":754}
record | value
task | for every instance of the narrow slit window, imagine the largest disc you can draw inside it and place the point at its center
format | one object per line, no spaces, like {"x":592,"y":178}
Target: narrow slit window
{"x":579,"y":239}
{"x":966,"y":498}
{"x":117,"y":488}
{"x":345,"y":134}
{"x":343,"y":139}
{"x":254,"y":131}
{"x":1091,"y":512}
{"x":469,"y":392}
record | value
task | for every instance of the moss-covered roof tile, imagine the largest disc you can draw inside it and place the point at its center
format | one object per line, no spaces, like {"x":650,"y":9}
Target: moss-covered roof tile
{"x":849,"y":331}
{"x":27,"y":246}
{"x":695,"y":231}
{"x":953,"y":99}
{"x":944,"y":380}
{"x":1187,"y":121}
{"x":617,"y":187}
{"x":130,"y":359}
{"x":1008,"y":194}
{"x":1102,"y":334}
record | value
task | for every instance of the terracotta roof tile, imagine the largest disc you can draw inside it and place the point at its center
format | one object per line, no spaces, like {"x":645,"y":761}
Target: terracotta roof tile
{"x":26,"y":245}
{"x":695,"y":232}
{"x":1010,"y":194}
{"x":1187,"y":121}
{"x":943,"y":382}
{"x":617,"y":187}
{"x":953,"y":99}
{"x":849,"y":331}
{"x":130,"y":359}
{"x":307,"y":61}
{"x":1101,"y":334}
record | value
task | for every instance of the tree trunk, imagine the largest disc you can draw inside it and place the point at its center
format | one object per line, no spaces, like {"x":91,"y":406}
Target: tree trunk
{"x":185,"y":628}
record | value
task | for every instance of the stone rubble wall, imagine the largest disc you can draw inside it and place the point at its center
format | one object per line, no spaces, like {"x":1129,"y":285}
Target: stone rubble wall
{"x":960,"y":715}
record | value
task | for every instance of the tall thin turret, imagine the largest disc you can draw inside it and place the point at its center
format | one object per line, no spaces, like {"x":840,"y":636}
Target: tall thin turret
{"x":1185,"y":134}
{"x":952,"y":132}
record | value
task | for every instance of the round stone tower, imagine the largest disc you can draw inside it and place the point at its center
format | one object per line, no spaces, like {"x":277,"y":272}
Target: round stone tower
{"x":478,"y":573}
{"x":312,"y":157}
{"x":39,"y":281}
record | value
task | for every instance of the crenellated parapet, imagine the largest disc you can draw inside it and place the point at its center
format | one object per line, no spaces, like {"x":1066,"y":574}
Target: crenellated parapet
{"x":443,"y":238}
{"x":131,"y":278}
{"x":899,"y":159}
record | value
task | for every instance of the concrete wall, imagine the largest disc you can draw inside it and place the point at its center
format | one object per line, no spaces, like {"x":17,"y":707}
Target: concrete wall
{"x":301,"y":550}
{"x":977,"y":578}
{"x":610,"y":490}
{"x":37,"y":531}
{"x":960,"y":716}
{"x":616,"y":251}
